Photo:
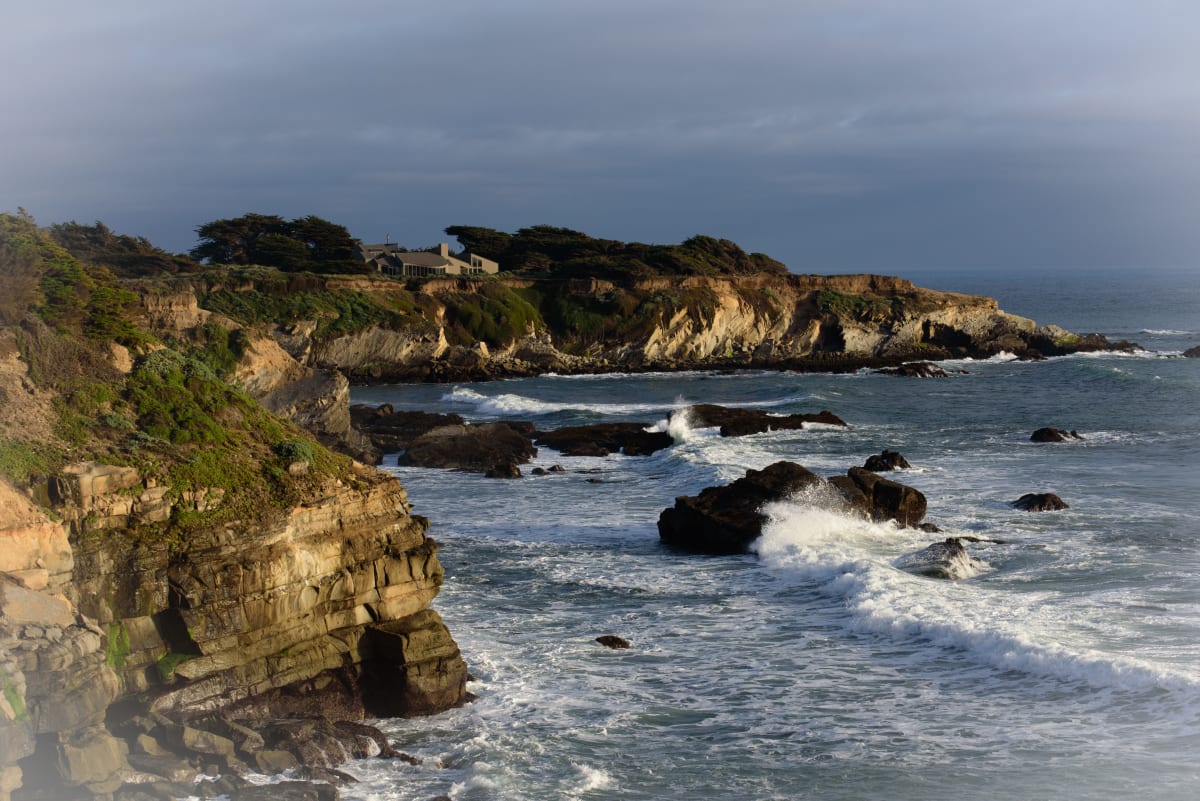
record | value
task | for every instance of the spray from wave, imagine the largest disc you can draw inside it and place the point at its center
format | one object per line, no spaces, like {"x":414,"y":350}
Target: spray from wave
{"x":857,"y":563}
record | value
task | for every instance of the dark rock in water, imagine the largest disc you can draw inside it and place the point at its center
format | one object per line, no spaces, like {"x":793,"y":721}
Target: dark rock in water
{"x":289,"y":791}
{"x":1040,"y":502}
{"x":1053,"y":435}
{"x":1192,"y":353}
{"x":391,"y":431}
{"x":947,"y":559}
{"x":880,"y":498}
{"x":558,"y":468}
{"x":933,"y":529}
{"x":886,"y":460}
{"x":612,"y":641}
{"x":725,"y":520}
{"x":740,"y":422}
{"x":475,"y":448}
{"x":505,"y":470}
{"x":601,"y":439}
{"x":540,"y":471}
{"x":915,"y":370}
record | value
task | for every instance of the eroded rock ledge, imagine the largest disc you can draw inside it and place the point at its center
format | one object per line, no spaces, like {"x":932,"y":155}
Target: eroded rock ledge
{"x":323,"y":613}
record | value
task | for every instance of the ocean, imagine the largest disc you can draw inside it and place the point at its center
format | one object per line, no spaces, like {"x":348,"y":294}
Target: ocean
{"x":1065,"y":665}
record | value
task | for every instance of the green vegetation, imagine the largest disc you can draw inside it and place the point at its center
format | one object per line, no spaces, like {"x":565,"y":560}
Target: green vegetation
{"x":20,"y":461}
{"x":547,"y":251}
{"x":13,"y":696}
{"x":126,"y":256}
{"x":859,"y":306}
{"x":494,"y":314}
{"x":254,"y":296}
{"x":117,"y":648}
{"x":166,"y":664}
{"x":306,"y":244}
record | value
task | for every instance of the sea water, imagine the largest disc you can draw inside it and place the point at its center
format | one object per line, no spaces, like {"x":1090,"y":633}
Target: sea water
{"x":1063,"y":664}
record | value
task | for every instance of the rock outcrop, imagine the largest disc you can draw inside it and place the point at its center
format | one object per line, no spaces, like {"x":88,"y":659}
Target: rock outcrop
{"x":325,"y":612}
{"x":726,"y":520}
{"x":737,"y":422}
{"x":601,"y":439}
{"x":945,"y":560}
{"x":1040,"y":502}
{"x":1053,"y":435}
{"x":886,"y":460}
{"x":915,"y":370}
{"x":474,"y":448}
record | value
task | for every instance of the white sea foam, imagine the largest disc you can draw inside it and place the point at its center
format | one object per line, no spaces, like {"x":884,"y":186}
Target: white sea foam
{"x":1168,"y":332}
{"x":508,"y":404}
{"x":852,"y":560}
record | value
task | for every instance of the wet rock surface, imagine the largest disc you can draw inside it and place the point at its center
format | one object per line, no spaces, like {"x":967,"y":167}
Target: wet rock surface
{"x":1040,"y":502}
{"x":735,"y":422}
{"x":631,"y":439}
{"x":885,"y":461}
{"x":1053,"y":435}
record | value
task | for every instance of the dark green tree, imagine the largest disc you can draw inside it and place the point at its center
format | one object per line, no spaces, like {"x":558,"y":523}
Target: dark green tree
{"x":232,"y":241}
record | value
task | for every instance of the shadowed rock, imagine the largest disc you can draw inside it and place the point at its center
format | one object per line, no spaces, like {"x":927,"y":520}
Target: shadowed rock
{"x":392,"y":431}
{"x":613,"y":641}
{"x":474,"y":448}
{"x":879,"y":498}
{"x":1192,"y":353}
{"x":886,"y":460}
{"x":740,"y":422}
{"x":915,"y":370}
{"x":601,"y":439}
{"x":1040,"y":502}
{"x":724,"y":520}
{"x":1053,"y":435}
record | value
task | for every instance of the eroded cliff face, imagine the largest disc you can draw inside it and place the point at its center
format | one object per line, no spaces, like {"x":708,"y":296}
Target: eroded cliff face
{"x":324,"y":612}
{"x":766,"y":321}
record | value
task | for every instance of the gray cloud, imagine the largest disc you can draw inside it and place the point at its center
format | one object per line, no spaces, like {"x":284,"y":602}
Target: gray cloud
{"x":834,"y":135}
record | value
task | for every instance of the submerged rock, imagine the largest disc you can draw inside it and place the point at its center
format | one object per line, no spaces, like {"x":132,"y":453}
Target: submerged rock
{"x":886,"y":460}
{"x":1192,"y":353}
{"x":946,"y":560}
{"x":915,"y":370}
{"x":740,"y":422}
{"x":612,"y":641}
{"x":1053,"y":435}
{"x":601,"y":439}
{"x":1040,"y":502}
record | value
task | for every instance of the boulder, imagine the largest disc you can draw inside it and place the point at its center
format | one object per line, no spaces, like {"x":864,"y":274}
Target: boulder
{"x":915,"y":370}
{"x":613,"y":641}
{"x":474,"y":448}
{"x":886,"y":460}
{"x":736,"y":422}
{"x":724,"y":520}
{"x":601,"y":439}
{"x":1040,"y":502}
{"x":505,"y":470}
{"x":391,"y":431}
{"x":880,"y":498}
{"x":1192,"y":353}
{"x":946,"y":560}
{"x":1053,"y":435}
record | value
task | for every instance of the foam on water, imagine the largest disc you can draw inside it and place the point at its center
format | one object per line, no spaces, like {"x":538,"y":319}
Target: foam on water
{"x":851,"y":561}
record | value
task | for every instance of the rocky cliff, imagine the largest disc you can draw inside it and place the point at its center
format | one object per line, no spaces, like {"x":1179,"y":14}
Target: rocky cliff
{"x":188,"y":581}
{"x":449,"y":329}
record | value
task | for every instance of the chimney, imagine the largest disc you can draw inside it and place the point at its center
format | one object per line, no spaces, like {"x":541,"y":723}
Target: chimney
{"x":444,"y":250}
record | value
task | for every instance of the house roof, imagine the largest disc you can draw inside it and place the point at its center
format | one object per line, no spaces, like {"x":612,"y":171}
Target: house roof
{"x":421,"y":259}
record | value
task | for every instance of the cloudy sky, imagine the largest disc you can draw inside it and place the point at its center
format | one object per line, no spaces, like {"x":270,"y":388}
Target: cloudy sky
{"x":835,"y":135}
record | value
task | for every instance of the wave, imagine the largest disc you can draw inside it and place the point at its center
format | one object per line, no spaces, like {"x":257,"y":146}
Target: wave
{"x":509,"y":404}
{"x":854,"y":562}
{"x":1168,"y":332}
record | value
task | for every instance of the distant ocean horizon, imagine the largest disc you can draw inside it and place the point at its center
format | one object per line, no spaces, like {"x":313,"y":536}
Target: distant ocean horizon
{"x":1066,"y":666}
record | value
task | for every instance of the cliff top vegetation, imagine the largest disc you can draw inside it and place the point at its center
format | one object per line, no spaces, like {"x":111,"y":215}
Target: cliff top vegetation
{"x":165,"y":408}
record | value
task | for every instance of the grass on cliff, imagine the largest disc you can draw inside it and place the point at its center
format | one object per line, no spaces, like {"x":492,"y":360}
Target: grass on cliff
{"x":864,"y":307}
{"x":172,"y":416}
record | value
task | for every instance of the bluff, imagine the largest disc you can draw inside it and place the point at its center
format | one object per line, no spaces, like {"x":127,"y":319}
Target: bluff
{"x":181,"y":568}
{"x":375,"y":329}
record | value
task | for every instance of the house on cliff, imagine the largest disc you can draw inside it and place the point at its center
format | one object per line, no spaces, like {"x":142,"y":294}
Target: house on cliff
{"x":389,"y":259}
